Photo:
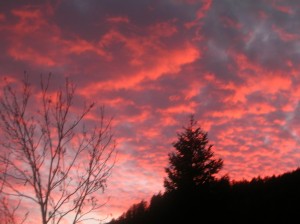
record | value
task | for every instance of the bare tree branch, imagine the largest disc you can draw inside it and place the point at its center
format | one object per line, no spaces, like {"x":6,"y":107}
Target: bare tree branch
{"x":51,"y":155}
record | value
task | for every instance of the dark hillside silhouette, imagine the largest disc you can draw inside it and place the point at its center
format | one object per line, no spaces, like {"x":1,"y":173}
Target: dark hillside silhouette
{"x":268,"y":199}
{"x":191,"y":181}
{"x":194,"y":195}
{"x":262,"y":200}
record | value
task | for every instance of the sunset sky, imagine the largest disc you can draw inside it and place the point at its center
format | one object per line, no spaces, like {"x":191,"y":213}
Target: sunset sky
{"x":152,"y":63}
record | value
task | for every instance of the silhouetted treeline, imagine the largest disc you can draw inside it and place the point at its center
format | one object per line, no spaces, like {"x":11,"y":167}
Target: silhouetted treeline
{"x":194,"y":194}
{"x":261,"y":200}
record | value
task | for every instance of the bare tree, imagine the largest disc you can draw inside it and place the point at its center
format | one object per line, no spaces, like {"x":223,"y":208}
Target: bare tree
{"x":8,"y":209}
{"x":49,"y":157}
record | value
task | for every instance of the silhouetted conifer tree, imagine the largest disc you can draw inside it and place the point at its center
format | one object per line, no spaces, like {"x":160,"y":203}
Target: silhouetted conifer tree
{"x":193,"y":164}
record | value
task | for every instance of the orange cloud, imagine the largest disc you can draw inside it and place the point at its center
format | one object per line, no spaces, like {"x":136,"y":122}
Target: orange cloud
{"x":166,"y":63}
{"x":285,"y":36}
{"x":201,"y":12}
{"x":263,"y":80}
{"x":228,"y":22}
{"x":163,"y":29}
{"x":283,"y":8}
{"x":23,"y":53}
{"x":30,"y":20}
{"x":188,"y":108}
{"x":118,"y":19}
{"x":2,"y":17}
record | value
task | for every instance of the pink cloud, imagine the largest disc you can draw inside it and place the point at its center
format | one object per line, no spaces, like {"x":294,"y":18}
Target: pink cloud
{"x":234,"y":65}
{"x":201,"y":12}
{"x":2,"y":17}
{"x":162,"y":65}
{"x":285,"y":36}
{"x":283,"y":8}
{"x":118,"y":19}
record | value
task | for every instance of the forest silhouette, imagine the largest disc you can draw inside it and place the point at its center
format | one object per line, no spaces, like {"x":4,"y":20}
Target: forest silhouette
{"x":193,"y":193}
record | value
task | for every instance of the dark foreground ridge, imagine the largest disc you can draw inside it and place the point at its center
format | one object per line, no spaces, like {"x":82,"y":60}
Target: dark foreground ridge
{"x":261,"y":200}
{"x":194,"y":194}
